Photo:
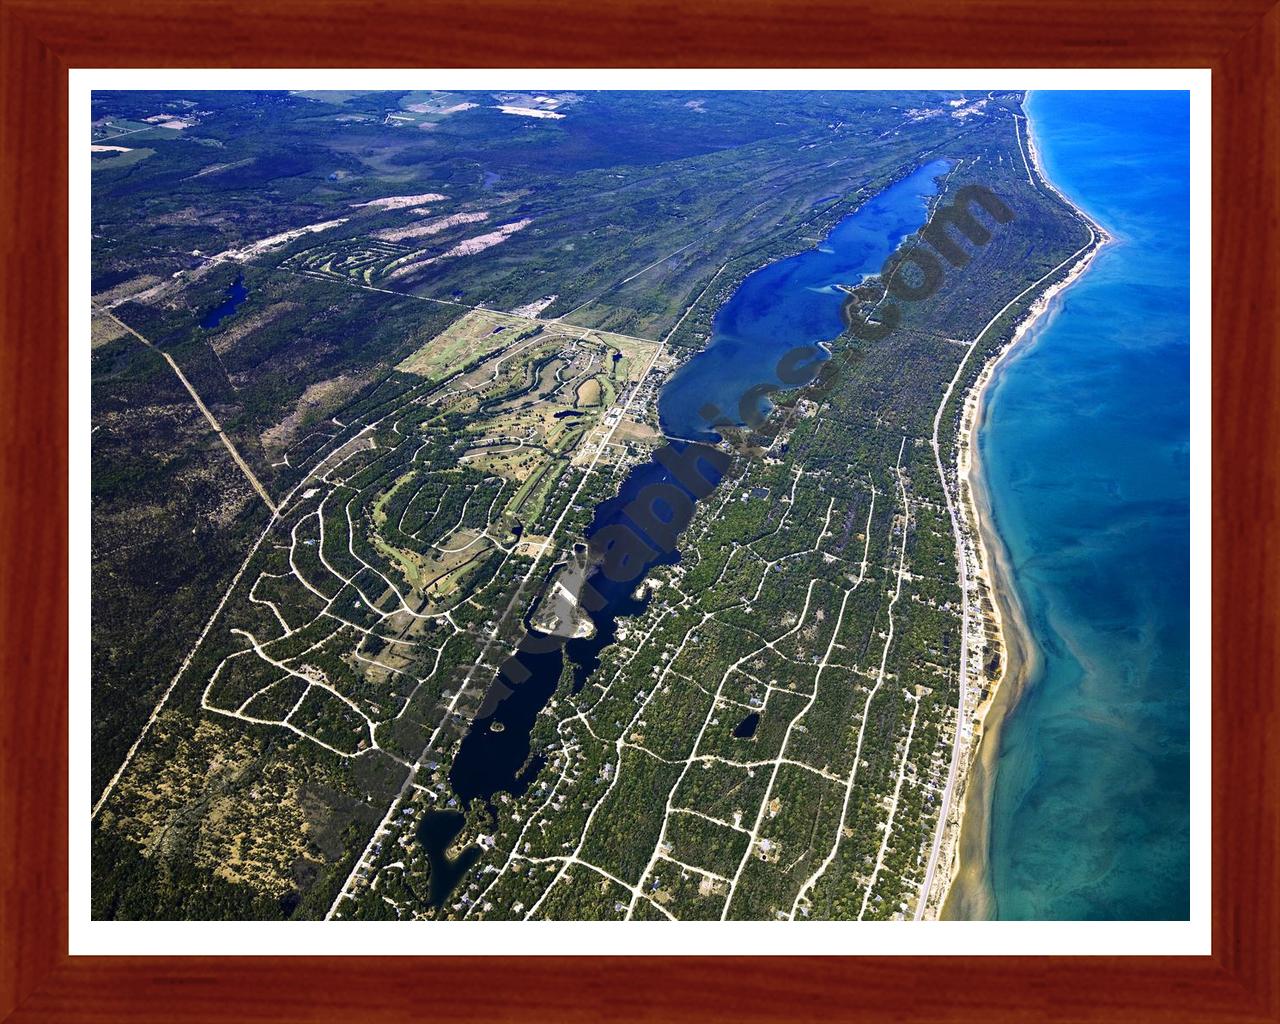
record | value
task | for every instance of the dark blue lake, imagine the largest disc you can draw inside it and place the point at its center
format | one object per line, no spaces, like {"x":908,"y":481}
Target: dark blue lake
{"x":791,"y":303}
{"x":436,"y":832}
{"x":237,"y":292}
{"x":492,"y":760}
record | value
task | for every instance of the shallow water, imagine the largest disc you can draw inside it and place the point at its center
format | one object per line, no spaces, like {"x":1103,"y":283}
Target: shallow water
{"x":1085,"y":454}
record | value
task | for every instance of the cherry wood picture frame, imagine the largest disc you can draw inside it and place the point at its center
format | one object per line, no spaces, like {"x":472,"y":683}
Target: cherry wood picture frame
{"x":41,"y":39}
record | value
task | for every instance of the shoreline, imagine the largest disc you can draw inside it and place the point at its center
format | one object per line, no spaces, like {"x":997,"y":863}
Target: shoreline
{"x":966,"y":893}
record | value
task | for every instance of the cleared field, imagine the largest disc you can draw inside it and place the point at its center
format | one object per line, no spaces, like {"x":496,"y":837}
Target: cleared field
{"x":475,"y":336}
{"x":117,"y":156}
{"x":632,"y":354}
{"x":330,"y":95}
{"x":432,"y":102}
{"x":103,"y":330}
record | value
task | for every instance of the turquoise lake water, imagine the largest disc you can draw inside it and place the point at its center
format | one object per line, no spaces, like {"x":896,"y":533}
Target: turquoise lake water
{"x":1085,"y":453}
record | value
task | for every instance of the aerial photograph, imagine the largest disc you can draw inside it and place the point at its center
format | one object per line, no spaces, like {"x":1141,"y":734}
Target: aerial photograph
{"x":607,"y":505}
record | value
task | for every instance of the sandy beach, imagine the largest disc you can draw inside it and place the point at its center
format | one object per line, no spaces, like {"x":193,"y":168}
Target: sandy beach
{"x":967,"y":894}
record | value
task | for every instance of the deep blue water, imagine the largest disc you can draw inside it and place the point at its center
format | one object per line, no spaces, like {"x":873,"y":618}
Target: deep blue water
{"x":496,"y":755}
{"x":492,"y":760}
{"x":1085,"y":453}
{"x":237,"y":292}
{"x":436,"y":832}
{"x":791,"y":303}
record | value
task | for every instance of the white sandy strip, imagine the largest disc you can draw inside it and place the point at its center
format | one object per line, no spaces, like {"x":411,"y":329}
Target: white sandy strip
{"x":467,"y":247}
{"x":947,"y":832}
{"x":426,"y":108}
{"x":526,"y":112}
{"x":420,"y":228}
{"x":285,"y":237}
{"x":400,"y":202}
